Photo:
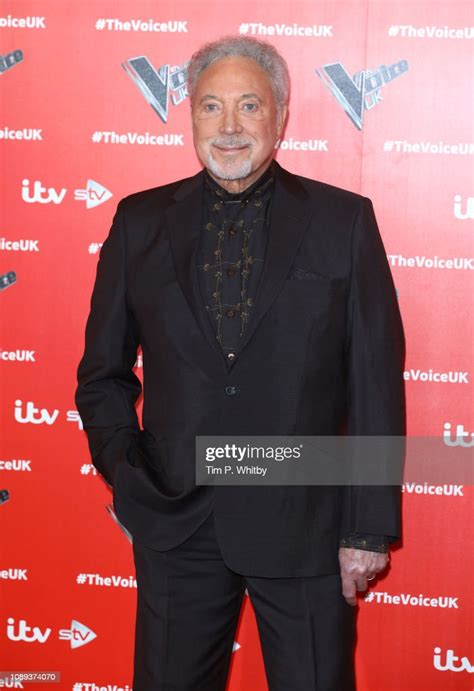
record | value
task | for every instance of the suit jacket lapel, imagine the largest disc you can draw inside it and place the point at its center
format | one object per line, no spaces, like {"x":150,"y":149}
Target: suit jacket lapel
{"x":184,"y":221}
{"x":289,"y":218}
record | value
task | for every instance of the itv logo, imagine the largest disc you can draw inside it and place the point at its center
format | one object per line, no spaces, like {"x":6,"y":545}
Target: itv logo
{"x":93,"y":194}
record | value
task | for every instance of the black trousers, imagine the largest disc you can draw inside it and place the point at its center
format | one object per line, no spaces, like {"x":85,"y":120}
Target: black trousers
{"x":188,"y":605}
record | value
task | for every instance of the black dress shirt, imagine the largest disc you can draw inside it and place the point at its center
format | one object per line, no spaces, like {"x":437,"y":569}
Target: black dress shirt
{"x":231,"y":255}
{"x":230,"y":260}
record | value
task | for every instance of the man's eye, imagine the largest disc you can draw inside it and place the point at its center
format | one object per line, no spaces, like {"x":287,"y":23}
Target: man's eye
{"x":249,"y":107}
{"x":211,"y":107}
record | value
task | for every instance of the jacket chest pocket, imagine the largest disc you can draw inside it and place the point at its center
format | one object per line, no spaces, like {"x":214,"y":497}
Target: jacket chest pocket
{"x":314,"y":294}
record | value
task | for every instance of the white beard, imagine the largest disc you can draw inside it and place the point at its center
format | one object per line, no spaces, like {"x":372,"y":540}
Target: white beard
{"x":230,"y":171}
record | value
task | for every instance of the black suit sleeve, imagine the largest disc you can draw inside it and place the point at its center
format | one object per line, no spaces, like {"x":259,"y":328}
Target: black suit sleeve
{"x":375,"y":356}
{"x":107,"y":387}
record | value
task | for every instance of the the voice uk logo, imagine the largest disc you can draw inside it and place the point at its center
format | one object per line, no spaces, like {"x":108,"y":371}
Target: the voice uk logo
{"x":78,"y":635}
{"x":158,"y":85}
{"x":361,"y":92}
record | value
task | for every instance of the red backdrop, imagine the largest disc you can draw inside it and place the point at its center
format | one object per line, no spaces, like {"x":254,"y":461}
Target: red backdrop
{"x":77,"y":134}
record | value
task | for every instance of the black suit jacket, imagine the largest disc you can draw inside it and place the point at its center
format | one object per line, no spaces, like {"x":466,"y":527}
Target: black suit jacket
{"x":321,"y":355}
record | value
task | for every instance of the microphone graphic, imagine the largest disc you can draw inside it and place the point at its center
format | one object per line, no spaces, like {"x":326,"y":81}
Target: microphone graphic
{"x":4,"y":496}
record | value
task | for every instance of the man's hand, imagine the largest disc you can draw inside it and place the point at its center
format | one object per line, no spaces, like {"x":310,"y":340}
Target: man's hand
{"x":357,"y":567}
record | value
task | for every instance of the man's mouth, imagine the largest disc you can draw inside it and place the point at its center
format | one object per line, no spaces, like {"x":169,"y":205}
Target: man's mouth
{"x":230,"y":149}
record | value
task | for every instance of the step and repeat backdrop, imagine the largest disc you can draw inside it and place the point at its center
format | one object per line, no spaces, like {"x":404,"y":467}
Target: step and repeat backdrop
{"x":94,"y":106}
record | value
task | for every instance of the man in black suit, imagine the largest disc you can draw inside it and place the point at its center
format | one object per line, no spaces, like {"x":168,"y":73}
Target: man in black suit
{"x":264,"y":305}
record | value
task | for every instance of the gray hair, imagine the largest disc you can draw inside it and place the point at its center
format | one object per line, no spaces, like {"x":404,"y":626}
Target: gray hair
{"x":262,"y":52}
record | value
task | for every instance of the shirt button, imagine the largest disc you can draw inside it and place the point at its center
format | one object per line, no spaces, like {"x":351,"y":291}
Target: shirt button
{"x":230,"y":390}
{"x":231,"y":271}
{"x":230,"y":356}
{"x":230,"y":313}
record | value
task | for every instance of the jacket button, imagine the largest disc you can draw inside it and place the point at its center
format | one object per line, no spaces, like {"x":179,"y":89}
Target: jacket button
{"x":230,"y":390}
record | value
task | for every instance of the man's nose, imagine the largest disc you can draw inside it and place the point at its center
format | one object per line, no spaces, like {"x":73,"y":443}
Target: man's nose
{"x":230,"y":123}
